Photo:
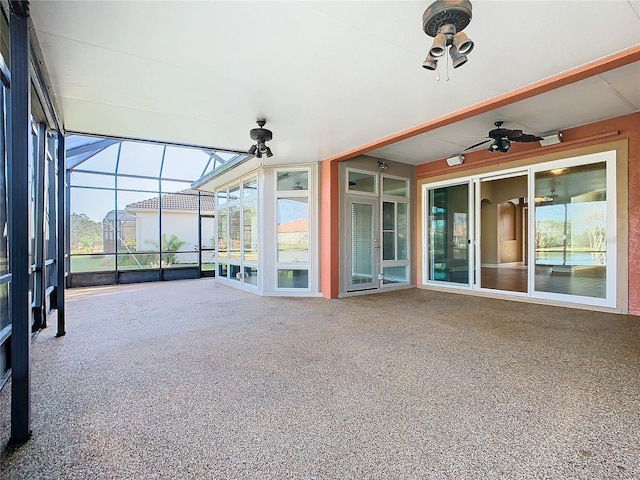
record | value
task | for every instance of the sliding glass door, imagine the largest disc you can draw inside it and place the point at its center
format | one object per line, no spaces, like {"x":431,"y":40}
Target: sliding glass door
{"x":448,"y":247}
{"x":572,"y":224}
{"x":547,"y":231}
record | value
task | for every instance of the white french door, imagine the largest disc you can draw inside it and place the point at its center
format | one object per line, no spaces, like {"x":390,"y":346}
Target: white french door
{"x":362,"y":238}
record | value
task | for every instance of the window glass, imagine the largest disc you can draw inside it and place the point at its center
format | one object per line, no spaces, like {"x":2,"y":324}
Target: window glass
{"x":293,"y":278}
{"x":223,"y":233}
{"x":393,"y":186}
{"x":250,"y":188}
{"x":250,"y":276}
{"x":402,"y":232}
{"x":571,"y":230}
{"x":234,"y":232}
{"x":398,"y":274}
{"x":234,"y":272}
{"x":222,"y":197}
{"x":234,"y":193}
{"x":223,"y":270}
{"x":362,"y":182}
{"x":250,"y":251}
{"x":293,"y":180}
{"x":293,"y":230}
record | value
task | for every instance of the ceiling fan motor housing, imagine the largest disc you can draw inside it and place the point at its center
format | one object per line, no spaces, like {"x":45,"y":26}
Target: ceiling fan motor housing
{"x":456,"y":13}
{"x":261,"y":135}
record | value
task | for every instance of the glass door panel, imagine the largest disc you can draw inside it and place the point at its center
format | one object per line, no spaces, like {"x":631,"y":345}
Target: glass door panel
{"x":362,"y":264}
{"x":503,"y":233}
{"x":571,"y":230}
{"x":448,"y":249}
{"x":395,"y":263}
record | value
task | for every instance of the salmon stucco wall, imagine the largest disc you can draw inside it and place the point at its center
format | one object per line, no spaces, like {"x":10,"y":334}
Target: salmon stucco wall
{"x":623,"y":135}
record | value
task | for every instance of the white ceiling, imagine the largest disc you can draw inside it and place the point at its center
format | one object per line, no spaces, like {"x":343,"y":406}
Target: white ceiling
{"x":329,"y":76}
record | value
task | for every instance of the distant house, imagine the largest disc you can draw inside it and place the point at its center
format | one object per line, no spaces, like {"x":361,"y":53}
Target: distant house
{"x":179,"y":219}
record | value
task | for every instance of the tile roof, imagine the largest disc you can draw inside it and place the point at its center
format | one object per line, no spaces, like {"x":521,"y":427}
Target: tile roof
{"x":184,"y":200}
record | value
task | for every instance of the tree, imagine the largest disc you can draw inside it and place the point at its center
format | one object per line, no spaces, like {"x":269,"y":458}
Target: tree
{"x":171,"y":244}
{"x":86,"y":235}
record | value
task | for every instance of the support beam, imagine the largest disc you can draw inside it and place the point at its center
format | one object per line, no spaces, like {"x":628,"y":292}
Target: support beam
{"x":61,"y":215}
{"x":18,"y":206}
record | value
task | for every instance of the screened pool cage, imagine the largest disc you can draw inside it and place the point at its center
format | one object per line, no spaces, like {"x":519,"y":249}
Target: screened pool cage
{"x":132,"y":215}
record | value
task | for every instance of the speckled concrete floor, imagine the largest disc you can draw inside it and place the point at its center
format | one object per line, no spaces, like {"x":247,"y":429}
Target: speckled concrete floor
{"x":195,"y":380}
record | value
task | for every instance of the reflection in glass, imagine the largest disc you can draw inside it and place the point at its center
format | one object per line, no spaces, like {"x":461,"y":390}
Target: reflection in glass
{"x":250,"y":276}
{"x":293,"y":230}
{"x":234,"y":193}
{"x":234,"y":272}
{"x":250,"y":251}
{"x":223,"y":233}
{"x":234,"y":232}
{"x":293,"y":278}
{"x":571,"y":230}
{"x":250,"y":187}
{"x":394,"y":186}
{"x":222,"y":197}
{"x":293,"y":180}
{"x":399,"y":274}
{"x":223,"y":270}
{"x":448,"y":234}
{"x":402,"y":230}
{"x":504,"y":233}
{"x":362,"y":182}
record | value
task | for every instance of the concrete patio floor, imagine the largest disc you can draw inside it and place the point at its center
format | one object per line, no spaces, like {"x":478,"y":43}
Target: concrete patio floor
{"x":194,"y":380}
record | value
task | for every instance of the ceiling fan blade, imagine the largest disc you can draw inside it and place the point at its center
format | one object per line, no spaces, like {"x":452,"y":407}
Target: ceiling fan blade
{"x":477,"y":144}
{"x":527,"y":137}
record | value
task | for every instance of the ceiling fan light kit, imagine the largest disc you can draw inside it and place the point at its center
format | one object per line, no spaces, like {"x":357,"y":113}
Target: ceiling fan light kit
{"x":261,"y":136}
{"x":444,"y":20}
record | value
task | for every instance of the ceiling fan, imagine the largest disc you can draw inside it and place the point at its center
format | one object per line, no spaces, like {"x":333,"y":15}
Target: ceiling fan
{"x":502,"y":138}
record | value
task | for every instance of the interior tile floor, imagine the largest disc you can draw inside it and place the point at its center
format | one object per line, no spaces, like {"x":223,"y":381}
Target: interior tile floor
{"x":194,"y":380}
